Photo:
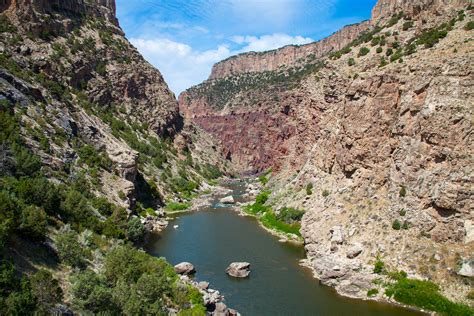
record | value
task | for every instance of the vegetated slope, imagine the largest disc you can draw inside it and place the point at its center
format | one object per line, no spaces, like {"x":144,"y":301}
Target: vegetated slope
{"x":374,"y":141}
{"x":92,"y":145}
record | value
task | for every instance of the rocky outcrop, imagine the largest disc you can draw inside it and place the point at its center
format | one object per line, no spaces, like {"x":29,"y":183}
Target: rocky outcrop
{"x":238,"y":269}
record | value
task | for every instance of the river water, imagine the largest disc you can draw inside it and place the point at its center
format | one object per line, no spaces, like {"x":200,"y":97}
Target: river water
{"x":216,"y":236}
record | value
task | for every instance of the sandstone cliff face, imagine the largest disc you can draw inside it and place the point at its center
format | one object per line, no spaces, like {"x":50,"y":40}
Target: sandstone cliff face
{"x":286,"y":56}
{"x":383,"y":136}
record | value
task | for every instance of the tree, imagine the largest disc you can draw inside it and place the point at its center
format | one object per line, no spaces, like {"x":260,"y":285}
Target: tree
{"x":46,"y":290}
{"x":135,"y":229}
{"x":91,"y":293}
{"x":69,"y":250}
{"x":33,"y":222}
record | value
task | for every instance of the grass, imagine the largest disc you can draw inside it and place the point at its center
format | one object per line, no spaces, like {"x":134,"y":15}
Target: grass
{"x":270,"y":220}
{"x":176,"y":206}
{"x":424,"y":294}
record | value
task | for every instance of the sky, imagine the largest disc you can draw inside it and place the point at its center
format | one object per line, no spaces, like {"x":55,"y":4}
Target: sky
{"x":184,"y":38}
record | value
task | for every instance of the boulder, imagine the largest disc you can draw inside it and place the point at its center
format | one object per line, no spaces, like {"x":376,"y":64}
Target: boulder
{"x":238,"y":269}
{"x":203,"y":285}
{"x":337,"y":234}
{"x":184,"y":268}
{"x":228,"y":200}
{"x":355,"y":250}
{"x":467,"y":268}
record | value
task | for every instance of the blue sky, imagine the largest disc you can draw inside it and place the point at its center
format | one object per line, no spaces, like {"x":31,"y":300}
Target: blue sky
{"x":184,"y":38}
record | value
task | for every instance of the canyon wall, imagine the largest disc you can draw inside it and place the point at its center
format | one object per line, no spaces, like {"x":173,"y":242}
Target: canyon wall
{"x":382,"y":132}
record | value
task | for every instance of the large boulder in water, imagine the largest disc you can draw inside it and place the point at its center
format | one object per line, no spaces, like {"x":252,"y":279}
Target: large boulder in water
{"x":228,"y":200}
{"x":238,"y":269}
{"x":184,"y":268}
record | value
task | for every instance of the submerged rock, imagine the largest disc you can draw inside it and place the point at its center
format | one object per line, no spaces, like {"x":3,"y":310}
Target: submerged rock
{"x":238,"y":269}
{"x":184,"y":268}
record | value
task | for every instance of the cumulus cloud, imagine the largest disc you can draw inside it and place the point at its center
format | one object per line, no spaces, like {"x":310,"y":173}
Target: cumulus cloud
{"x":180,"y":64}
{"x":268,"y":42}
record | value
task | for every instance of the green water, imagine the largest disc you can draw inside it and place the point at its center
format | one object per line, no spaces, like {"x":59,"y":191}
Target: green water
{"x":278,"y":285}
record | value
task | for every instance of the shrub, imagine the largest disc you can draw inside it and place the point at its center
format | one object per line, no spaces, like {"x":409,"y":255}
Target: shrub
{"x":290,"y":215}
{"x":211,"y":172}
{"x":262,"y":197}
{"x":46,"y":290}
{"x":379,"y":266}
{"x":426,"y":295}
{"x":363,"y":51}
{"x":326,"y":193}
{"x":33,"y":222}
{"x":396,"y":224}
{"x":70,"y":251}
{"x":135,"y":229}
{"x":402,"y":212}
{"x":309,"y":189}
{"x":91,"y":293}
{"x":263,"y":179}
{"x":403,"y":191}
{"x":431,"y":37}
{"x":389,"y":52}
{"x":372,"y":292}
{"x":469,"y":26}
{"x":405,"y":225}
{"x":379,"y":50}
{"x":351,"y":61}
{"x":407,"y":25}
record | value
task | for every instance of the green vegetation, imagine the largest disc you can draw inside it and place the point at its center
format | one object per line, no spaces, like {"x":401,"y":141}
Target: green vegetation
{"x":270,"y":220}
{"x":290,"y":215}
{"x":176,"y":206}
{"x":403,"y":191}
{"x":372,"y":292}
{"x":309,"y":189}
{"x":396,"y":224}
{"x":469,"y":26}
{"x":379,"y":50}
{"x":325,"y":193}
{"x":133,"y":283}
{"x":402,"y":212}
{"x":351,"y":61}
{"x":379,"y":265}
{"x":423,"y":294}
{"x":407,"y":25}
{"x":263,"y":179}
{"x":363,"y":51}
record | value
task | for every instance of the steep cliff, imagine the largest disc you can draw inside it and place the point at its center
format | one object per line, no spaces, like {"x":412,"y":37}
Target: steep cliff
{"x":374,"y":141}
{"x":92,"y":148}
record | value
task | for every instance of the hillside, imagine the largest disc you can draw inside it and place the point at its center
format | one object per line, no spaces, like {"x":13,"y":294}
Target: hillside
{"x":93,"y":151}
{"x":372,"y":139}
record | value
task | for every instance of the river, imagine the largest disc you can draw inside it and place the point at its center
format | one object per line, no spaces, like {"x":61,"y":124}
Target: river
{"x":216,"y":236}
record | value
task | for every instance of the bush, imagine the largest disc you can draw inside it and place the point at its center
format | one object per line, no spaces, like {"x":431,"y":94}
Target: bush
{"x":372,"y":292}
{"x":351,"y":61}
{"x":135,"y":230}
{"x":33,"y":222}
{"x":46,"y":290}
{"x":402,"y":212}
{"x":363,"y":51}
{"x":326,"y":193}
{"x":403,"y":191}
{"x":262,"y":197}
{"x":389,"y":52}
{"x":426,"y":295}
{"x":407,"y":25}
{"x":396,"y":224}
{"x":263,"y":179}
{"x":70,"y":250}
{"x":469,"y":26}
{"x":290,"y":215}
{"x":91,"y":293}
{"x":405,"y":225}
{"x":309,"y":189}
{"x":379,"y":266}
{"x":379,"y":50}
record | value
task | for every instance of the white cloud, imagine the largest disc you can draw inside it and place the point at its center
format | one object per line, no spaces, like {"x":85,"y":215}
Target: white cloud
{"x":268,"y":42}
{"x":180,"y":64}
